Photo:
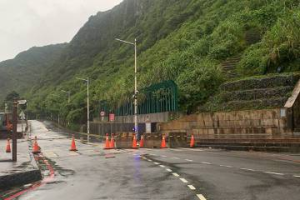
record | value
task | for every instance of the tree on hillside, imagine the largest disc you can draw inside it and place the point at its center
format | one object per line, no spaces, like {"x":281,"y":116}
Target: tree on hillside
{"x":11,"y":96}
{"x":8,"y":101}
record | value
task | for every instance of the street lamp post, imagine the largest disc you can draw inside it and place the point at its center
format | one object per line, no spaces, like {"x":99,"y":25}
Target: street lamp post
{"x":88,"y":107}
{"x":68,"y":93}
{"x":135,"y":83}
{"x":58,"y":111}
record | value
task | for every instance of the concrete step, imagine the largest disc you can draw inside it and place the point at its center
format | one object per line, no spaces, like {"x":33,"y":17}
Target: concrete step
{"x":257,"y":103}
{"x":256,"y":94}
{"x":252,"y":36}
{"x":229,"y":66}
{"x":260,"y":83}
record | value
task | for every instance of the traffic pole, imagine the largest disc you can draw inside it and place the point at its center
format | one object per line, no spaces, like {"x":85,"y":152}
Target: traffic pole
{"x":14,"y":134}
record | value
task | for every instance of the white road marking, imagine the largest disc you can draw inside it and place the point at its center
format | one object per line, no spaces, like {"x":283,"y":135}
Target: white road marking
{"x":156,"y":163}
{"x":193,"y":149}
{"x":191,"y":187}
{"x":199,"y":150}
{"x":183,"y":180}
{"x":149,"y":160}
{"x":189,"y":160}
{"x":73,"y":154}
{"x":296,"y":176}
{"x":175,"y":174}
{"x":228,"y":166}
{"x":207,"y":163}
{"x":169,"y":170}
{"x":247,"y":169}
{"x":162,"y":166}
{"x":175,"y":158}
{"x":201,"y":197}
{"x":176,"y":150}
{"x":275,"y":173}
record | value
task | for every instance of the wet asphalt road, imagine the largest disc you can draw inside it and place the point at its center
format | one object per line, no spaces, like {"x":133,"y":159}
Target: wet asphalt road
{"x":92,"y":173}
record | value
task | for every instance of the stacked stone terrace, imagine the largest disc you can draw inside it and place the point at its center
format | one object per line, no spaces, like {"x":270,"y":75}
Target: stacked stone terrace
{"x":248,"y":112}
{"x":254,"y":93}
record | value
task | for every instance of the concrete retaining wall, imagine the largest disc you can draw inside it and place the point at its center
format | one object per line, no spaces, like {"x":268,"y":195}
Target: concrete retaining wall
{"x":151,"y":117}
{"x":268,"y":124}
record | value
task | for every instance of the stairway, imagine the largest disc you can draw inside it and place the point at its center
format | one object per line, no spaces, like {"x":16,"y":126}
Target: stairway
{"x":252,"y":37}
{"x":229,"y":67}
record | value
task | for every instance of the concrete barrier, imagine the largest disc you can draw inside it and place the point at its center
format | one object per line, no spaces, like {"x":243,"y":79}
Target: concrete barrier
{"x":124,"y":140}
{"x":178,"y":139}
{"x":152,"y":140}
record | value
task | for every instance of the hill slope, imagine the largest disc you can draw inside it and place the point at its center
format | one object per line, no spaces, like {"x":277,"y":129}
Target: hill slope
{"x":186,"y":41}
{"x":24,"y":71}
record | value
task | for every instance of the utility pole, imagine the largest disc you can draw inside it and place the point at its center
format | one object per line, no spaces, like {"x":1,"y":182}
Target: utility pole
{"x":88,"y":106}
{"x":135,"y":85}
{"x":136,"y":126}
{"x":88,"y":109}
{"x":14,"y":134}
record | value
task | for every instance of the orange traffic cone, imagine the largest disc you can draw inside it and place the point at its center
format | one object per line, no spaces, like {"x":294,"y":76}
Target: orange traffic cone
{"x":8,"y":150}
{"x":142,"y":142}
{"x":112,"y":142}
{"x":163,"y":142}
{"x":73,"y":145}
{"x":36,"y":148}
{"x":107,"y":145}
{"x":192,"y":143}
{"x":134,"y":144}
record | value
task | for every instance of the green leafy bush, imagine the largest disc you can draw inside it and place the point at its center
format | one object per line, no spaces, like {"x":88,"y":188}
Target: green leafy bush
{"x":279,"y":47}
{"x":196,"y":84}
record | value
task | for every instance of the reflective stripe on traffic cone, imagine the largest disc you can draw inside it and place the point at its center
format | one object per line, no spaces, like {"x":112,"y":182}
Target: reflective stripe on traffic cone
{"x":107,"y":145}
{"x":36,"y":148}
{"x":192,"y":143}
{"x":163,"y":142}
{"x":134,"y":144}
{"x":142,"y":142}
{"x":73,"y":145}
{"x":8,"y":150}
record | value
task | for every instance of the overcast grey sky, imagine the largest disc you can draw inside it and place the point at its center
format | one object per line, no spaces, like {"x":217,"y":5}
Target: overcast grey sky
{"x":28,"y":23}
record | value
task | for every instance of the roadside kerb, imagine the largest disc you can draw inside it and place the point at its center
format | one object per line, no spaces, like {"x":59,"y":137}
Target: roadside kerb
{"x":19,"y":173}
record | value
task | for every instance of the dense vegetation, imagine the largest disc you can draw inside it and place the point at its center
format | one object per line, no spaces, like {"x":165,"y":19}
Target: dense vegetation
{"x":185,"y":41}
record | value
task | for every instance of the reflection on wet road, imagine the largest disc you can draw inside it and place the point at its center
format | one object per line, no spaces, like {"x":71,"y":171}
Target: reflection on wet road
{"x":94,"y":173}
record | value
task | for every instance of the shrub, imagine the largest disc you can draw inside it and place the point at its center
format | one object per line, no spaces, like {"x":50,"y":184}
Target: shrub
{"x":198,"y":83}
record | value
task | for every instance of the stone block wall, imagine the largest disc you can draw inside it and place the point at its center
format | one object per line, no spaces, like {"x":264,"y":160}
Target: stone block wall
{"x":260,"y":124}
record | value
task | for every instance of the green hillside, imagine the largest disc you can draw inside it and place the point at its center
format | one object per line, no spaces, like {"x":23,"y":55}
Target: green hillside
{"x":25,"y":70}
{"x":186,"y":41}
